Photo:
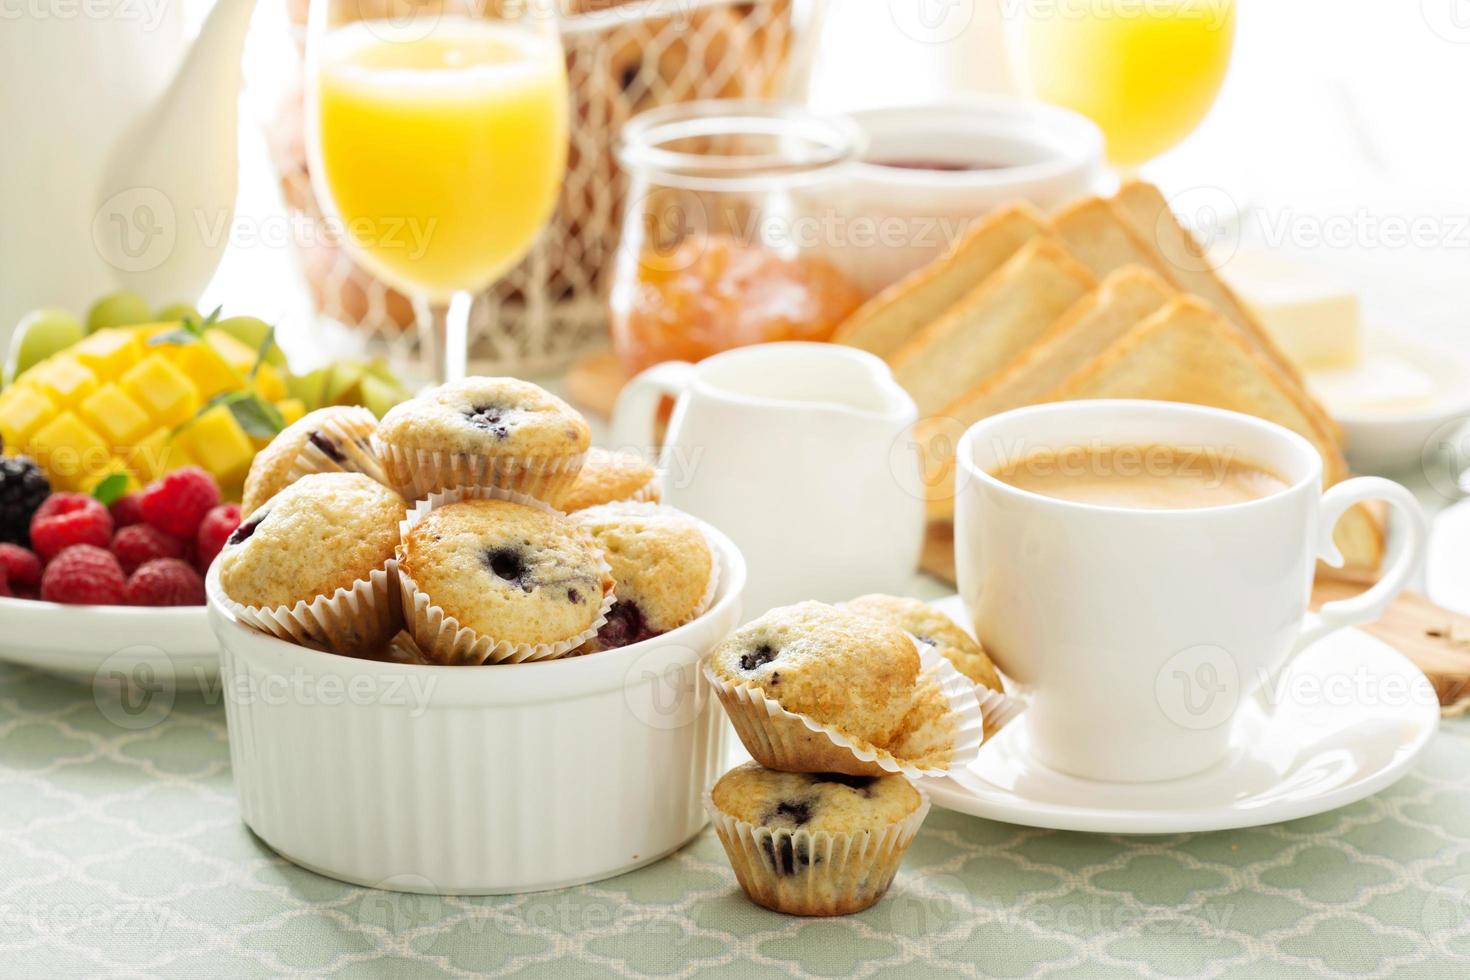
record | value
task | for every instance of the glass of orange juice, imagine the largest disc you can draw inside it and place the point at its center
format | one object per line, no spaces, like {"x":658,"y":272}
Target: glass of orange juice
{"x":1146,"y":71}
{"x":437,"y":138}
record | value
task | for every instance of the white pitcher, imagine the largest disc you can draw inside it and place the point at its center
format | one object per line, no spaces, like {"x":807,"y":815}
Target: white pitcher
{"x":801,"y":453}
{"x":119,"y":160}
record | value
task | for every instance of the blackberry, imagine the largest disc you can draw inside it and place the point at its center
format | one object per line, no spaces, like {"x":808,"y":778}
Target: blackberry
{"x":22,"y":488}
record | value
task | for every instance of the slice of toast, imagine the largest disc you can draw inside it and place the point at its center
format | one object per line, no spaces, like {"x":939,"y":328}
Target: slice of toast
{"x":990,"y":325}
{"x":1144,"y":208}
{"x":885,"y":322}
{"x":1084,"y":331}
{"x":1188,"y":352}
{"x":1094,"y":230}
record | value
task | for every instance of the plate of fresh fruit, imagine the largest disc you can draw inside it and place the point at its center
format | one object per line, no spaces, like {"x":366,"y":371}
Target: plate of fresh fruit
{"x":126,"y":437}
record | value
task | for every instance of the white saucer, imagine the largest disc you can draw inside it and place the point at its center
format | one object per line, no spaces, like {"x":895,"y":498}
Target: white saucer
{"x":1447,"y":568}
{"x":112,"y":644}
{"x":1357,"y":719}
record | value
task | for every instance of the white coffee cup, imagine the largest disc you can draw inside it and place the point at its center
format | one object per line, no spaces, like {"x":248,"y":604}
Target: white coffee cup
{"x":1138,"y":633}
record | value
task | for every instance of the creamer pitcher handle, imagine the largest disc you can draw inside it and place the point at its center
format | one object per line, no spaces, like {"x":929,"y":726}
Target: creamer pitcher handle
{"x":637,"y":406}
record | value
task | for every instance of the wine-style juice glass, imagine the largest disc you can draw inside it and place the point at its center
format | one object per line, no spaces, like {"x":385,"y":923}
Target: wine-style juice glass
{"x":1146,"y":71}
{"x":437,"y":139}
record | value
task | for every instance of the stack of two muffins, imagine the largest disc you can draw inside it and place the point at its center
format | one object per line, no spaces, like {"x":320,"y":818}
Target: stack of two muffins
{"x":484,"y":567}
{"x":840,"y":707}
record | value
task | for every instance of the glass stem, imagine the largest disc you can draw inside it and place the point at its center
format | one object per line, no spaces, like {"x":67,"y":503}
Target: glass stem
{"x":444,"y":336}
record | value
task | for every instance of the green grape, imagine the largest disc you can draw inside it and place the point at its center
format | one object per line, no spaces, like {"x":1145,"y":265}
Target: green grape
{"x":175,"y":311}
{"x":123,"y":308}
{"x":252,"y":332}
{"x":40,"y":334}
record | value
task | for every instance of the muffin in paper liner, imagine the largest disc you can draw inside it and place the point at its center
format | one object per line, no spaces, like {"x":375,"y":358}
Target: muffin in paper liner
{"x":417,"y":473}
{"x":351,"y":449}
{"x":440,"y":637}
{"x":705,"y":601}
{"x":355,"y":620}
{"x":803,"y":872}
{"x":942,"y":732}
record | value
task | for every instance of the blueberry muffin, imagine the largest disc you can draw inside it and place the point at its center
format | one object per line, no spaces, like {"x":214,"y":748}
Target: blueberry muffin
{"x":483,"y":432}
{"x":496,"y":580}
{"x":933,"y":627}
{"x":814,"y":843}
{"x":662,"y":566}
{"x":337,"y":439}
{"x":312,"y":564}
{"x":607,"y":477}
{"x":836,"y":667}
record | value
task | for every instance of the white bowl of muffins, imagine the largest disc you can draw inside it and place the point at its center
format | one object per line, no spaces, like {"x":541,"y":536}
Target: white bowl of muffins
{"x":460,"y":649}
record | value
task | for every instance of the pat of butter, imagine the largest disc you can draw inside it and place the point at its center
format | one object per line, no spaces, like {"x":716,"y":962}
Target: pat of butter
{"x":1381,"y":384}
{"x":1311,"y":317}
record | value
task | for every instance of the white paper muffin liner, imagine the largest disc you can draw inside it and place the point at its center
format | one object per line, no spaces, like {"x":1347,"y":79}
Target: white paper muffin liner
{"x":792,"y":742}
{"x":803,"y":872}
{"x":356,"y":458}
{"x":441,"y":637}
{"x":417,"y":473}
{"x":355,"y":620}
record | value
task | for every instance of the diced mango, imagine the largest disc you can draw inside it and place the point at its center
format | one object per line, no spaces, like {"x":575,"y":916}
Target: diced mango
{"x":156,"y":454}
{"x":218,"y":443}
{"x":269,"y":384}
{"x":115,"y":416}
{"x":163,"y":390}
{"x":238,"y":355}
{"x":108,"y":353}
{"x":62,"y":379}
{"x":69,"y":451}
{"x":22,"y":410}
{"x":203,"y":366}
{"x":291,"y":409}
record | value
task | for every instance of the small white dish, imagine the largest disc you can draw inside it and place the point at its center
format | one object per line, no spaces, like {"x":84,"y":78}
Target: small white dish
{"x":1447,"y":567}
{"x":172,"y":648}
{"x":1355,"y":717}
{"x":476,"y":780}
{"x":1008,"y":150}
{"x":1394,"y":441}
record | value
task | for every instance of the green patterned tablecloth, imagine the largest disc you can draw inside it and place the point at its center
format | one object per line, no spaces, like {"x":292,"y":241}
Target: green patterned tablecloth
{"x":121,"y":853}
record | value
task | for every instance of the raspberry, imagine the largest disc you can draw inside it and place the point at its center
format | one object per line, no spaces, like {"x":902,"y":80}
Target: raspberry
{"x":23,"y":487}
{"x":84,"y":574}
{"x":126,"y":510}
{"x":177,"y":503}
{"x":214,"y":531}
{"x":66,"y":519}
{"x":139,"y":543}
{"x":165,"y":582}
{"x":21,"y":568}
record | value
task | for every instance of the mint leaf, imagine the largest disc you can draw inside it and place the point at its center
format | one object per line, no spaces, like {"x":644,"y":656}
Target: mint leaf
{"x":257,"y":416}
{"x":266,"y":343}
{"x":110,"y":489}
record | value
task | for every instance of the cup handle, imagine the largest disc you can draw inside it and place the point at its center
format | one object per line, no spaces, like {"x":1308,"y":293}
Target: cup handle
{"x":1371,"y":604}
{"x":637,"y":404}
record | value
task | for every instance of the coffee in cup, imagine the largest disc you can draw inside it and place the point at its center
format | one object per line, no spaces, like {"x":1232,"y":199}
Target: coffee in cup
{"x":1142,"y":477}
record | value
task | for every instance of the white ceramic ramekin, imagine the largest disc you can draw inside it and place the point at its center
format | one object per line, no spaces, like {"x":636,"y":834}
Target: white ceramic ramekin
{"x":476,"y":780}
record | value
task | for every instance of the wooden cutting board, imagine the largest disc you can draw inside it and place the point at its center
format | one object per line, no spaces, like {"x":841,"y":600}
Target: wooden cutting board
{"x":1435,"y":639}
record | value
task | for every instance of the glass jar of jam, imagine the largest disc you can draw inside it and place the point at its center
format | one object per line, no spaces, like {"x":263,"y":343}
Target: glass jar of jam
{"x":723,"y":234}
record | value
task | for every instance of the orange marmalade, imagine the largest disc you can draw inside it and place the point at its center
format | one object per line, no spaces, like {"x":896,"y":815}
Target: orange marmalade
{"x":712,"y":293}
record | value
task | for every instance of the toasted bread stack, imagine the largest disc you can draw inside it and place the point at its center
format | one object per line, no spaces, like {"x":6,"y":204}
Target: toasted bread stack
{"x":1109,"y":298}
